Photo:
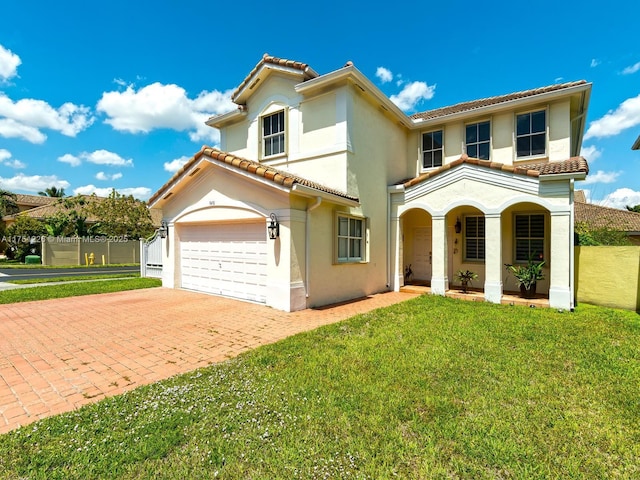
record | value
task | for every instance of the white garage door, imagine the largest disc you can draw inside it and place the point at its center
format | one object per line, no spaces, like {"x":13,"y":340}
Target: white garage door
{"x":229,"y":260}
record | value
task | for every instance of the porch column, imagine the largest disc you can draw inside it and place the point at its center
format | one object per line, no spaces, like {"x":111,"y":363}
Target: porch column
{"x":396,"y":252}
{"x":493,"y":258}
{"x":560,"y":261}
{"x":439,"y":256}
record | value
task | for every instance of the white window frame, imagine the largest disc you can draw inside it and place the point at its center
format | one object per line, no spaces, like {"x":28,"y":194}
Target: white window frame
{"x":431,"y":150}
{"x":530,"y":134}
{"x":478,"y":142}
{"x":349,"y":237}
{"x":264,"y":138}
{"x":545,"y":226}
{"x":476,"y":238}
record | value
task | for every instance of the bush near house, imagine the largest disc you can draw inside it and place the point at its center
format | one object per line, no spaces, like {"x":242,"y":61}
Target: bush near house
{"x":605,"y":236}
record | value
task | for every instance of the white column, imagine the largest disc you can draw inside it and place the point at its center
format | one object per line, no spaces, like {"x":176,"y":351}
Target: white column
{"x":170,"y":258}
{"x":560,"y":260}
{"x":397,"y":235}
{"x":439,"y":265}
{"x":493,"y":258}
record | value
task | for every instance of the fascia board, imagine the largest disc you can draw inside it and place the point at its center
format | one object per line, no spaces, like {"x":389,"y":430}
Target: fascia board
{"x":220,"y":121}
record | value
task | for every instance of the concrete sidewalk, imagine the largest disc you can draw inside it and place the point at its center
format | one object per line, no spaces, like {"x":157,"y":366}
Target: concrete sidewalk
{"x":57,"y":355}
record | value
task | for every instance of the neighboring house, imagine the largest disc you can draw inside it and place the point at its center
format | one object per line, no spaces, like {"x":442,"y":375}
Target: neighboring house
{"x":48,"y":208}
{"x":605,"y":217}
{"x":361,"y":191}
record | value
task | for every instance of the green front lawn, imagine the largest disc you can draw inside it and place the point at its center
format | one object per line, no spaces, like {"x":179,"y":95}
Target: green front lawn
{"x":74,"y":289}
{"x":429,"y":388}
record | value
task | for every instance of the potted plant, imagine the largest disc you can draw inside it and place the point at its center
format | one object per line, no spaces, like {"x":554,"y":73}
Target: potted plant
{"x":465,"y":277}
{"x":527,"y":276}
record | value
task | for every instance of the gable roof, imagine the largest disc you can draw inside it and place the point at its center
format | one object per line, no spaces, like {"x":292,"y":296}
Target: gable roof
{"x":54,"y":206}
{"x":493,"y":101}
{"x":572,"y":165}
{"x":268,"y":60}
{"x":598,"y":216}
{"x":256,"y":169}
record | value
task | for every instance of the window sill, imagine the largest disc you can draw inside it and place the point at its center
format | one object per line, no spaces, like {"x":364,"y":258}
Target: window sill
{"x":531,"y":158}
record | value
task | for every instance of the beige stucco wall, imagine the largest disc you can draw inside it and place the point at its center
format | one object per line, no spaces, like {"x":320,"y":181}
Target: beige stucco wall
{"x":502,"y":136}
{"x":608,"y":276}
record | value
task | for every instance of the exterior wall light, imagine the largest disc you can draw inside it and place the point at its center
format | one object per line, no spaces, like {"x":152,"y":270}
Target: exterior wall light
{"x":274,"y":227}
{"x":163,"y":230}
{"x":458,"y":226}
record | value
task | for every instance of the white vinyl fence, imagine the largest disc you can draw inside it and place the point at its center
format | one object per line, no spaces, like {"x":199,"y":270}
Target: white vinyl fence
{"x":151,"y":257}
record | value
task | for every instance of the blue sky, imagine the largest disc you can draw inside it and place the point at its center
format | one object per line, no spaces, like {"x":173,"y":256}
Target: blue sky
{"x":101,"y":95}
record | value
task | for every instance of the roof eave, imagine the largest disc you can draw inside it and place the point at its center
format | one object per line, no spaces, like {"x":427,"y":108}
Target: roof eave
{"x":548,"y":177}
{"x":219,"y":121}
{"x":636,"y":144}
{"x":507,"y":105}
{"x":240,"y":96}
{"x":311,"y":192}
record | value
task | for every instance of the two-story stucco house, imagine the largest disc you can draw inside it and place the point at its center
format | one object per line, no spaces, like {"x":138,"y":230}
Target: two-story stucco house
{"x":358,"y":191}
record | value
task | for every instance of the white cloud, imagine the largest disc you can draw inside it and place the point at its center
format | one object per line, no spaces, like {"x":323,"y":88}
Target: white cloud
{"x":594,"y":62}
{"x":602,"y":177}
{"x":9,"y":63}
{"x":174,"y":165}
{"x":26,"y":117}
{"x":104,"y":157}
{"x":164,"y":106}
{"x":412,"y":94}
{"x":627,"y":115}
{"x":141,"y":193}
{"x":7,"y":161}
{"x":591,"y":153}
{"x":384,"y":74}
{"x":621,"y":198}
{"x":106,"y":177}
{"x":32,"y":183}
{"x":631,"y":69}
{"x":70,"y":159}
{"x":9,"y":128}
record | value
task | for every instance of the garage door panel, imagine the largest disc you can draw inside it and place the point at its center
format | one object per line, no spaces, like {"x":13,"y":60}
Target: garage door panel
{"x":228,"y":260}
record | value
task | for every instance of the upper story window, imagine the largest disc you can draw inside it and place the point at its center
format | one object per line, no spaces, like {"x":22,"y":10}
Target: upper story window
{"x":478,"y":140}
{"x":273,"y":134}
{"x":350,"y":239}
{"x":432,"y":149}
{"x":531,"y":133}
{"x":529,"y":237}
{"x":474,"y":246}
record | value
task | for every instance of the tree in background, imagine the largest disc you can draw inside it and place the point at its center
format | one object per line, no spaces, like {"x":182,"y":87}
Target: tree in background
{"x":8,"y":205}
{"x":24,"y":237}
{"x":634,"y":209}
{"x":588,"y":236}
{"x":52,"y":192}
{"x":121,"y":215}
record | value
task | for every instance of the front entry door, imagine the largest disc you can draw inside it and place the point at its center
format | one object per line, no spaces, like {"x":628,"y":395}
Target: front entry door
{"x":421,"y":264}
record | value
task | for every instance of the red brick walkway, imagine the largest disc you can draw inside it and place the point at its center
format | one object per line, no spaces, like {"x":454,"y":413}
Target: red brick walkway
{"x":57,"y":355}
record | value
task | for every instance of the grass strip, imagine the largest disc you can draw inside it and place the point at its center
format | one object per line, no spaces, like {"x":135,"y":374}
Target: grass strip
{"x":74,"y":278}
{"x":429,"y":388}
{"x":47,"y":292}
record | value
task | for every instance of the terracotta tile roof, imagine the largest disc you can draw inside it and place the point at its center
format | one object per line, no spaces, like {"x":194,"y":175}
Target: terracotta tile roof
{"x":33,"y":200}
{"x":274,"y":175}
{"x":55,"y":206}
{"x":597,"y":216}
{"x":486,"y":102}
{"x":572,"y":165}
{"x":266,"y":58}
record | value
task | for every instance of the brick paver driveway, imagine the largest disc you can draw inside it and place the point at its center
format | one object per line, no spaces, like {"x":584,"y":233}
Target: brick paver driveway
{"x":57,"y":355}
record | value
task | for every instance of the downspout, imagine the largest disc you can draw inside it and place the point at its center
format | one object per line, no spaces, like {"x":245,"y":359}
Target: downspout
{"x":307,"y":246}
{"x":572,"y":253}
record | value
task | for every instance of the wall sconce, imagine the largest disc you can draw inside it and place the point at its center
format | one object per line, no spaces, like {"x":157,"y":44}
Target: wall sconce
{"x":163,"y":230}
{"x":274,"y":227}
{"x":458,"y":226}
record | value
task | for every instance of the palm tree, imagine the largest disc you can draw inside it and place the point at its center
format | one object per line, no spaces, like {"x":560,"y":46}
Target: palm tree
{"x":8,"y":205}
{"x":52,"y":192}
